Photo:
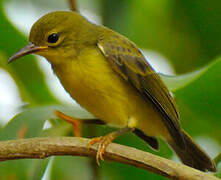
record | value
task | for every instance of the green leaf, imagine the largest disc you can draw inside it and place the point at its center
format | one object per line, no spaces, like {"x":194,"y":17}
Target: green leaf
{"x":29,"y":122}
{"x":67,"y":167}
{"x":22,"y":169}
{"x":25,"y":71}
{"x":178,"y":82}
{"x":199,"y":103}
{"x":26,"y":124}
{"x":217,"y":159}
{"x":32,"y":120}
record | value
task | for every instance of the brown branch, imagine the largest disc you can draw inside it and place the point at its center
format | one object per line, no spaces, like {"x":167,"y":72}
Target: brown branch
{"x":44,"y":147}
{"x":73,"y":5}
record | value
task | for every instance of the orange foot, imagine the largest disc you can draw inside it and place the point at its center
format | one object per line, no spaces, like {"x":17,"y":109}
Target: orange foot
{"x":75,"y":122}
{"x":103,"y":141}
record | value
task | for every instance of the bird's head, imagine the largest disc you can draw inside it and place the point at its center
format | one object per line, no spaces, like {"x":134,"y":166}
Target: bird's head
{"x":55,"y":36}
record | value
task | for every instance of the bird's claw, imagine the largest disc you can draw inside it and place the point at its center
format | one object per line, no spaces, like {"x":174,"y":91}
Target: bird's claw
{"x":103,"y":141}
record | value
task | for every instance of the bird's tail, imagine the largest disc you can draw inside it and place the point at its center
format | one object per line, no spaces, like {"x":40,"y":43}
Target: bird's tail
{"x":193,"y":155}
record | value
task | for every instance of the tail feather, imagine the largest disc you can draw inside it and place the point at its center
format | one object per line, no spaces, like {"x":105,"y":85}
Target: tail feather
{"x":193,"y":155}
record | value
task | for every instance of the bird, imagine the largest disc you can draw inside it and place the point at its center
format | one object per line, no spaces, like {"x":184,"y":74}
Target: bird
{"x":108,"y":75}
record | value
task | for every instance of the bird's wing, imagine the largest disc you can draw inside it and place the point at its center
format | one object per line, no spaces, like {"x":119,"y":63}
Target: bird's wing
{"x":126,"y":59}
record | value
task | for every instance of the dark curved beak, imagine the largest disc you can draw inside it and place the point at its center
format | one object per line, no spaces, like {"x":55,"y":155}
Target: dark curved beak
{"x":30,"y":48}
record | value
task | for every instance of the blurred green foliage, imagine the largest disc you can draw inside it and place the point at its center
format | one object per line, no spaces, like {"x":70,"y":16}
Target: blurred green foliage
{"x":24,"y":75}
{"x":186,"y":32}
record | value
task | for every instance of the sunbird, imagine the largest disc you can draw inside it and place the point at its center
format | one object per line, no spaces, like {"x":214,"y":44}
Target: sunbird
{"x":109,"y":76}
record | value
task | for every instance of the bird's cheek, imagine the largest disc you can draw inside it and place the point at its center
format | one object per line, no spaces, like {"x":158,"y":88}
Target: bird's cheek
{"x":45,"y":53}
{"x":51,"y":56}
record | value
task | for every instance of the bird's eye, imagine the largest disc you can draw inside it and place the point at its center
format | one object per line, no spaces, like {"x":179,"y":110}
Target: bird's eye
{"x":53,"y":38}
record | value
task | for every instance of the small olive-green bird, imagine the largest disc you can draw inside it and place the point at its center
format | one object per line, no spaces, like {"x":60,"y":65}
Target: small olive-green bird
{"x":109,"y":76}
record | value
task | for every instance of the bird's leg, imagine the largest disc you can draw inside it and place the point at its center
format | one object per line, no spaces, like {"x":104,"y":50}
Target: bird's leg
{"x":76,"y":123}
{"x":104,"y":141}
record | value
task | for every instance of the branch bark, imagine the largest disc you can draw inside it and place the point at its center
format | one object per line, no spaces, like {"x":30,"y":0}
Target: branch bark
{"x":40,"y":148}
{"x":73,"y":5}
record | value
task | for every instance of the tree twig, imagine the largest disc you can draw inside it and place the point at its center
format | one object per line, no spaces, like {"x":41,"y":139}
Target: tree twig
{"x":73,"y":5}
{"x":40,"y":148}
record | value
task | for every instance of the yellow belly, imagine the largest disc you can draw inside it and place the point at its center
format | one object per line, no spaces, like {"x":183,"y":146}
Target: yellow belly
{"x":91,"y":81}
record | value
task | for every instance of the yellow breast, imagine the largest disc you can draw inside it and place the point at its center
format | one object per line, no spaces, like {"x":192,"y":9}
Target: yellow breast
{"x":92,"y":82}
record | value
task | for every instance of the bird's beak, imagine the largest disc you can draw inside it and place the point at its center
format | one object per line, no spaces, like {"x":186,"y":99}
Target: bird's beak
{"x":30,"y":48}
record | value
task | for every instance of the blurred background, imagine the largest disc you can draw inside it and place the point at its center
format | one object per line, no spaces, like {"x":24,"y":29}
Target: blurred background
{"x":180,"y":38}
